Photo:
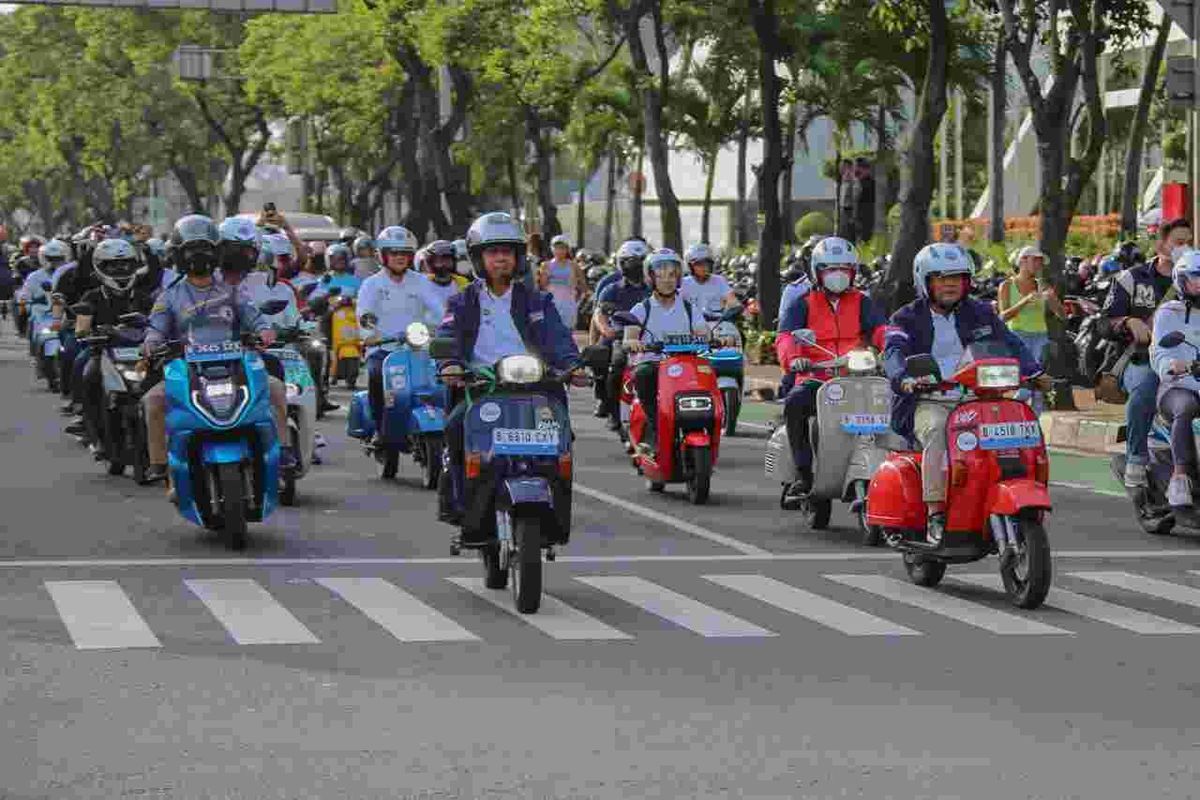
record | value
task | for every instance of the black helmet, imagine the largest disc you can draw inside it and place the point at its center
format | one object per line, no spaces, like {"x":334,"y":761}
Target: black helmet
{"x":1128,"y":254}
{"x":441,"y":247}
{"x":194,"y":241}
{"x":347,"y":235}
{"x":494,"y":228}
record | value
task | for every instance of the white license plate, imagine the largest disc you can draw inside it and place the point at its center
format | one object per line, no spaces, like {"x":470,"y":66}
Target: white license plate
{"x":1001,"y":435}
{"x":545,"y":437}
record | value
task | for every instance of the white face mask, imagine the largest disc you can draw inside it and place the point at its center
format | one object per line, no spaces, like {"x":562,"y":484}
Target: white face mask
{"x":1177,"y":253}
{"x":836,"y":281}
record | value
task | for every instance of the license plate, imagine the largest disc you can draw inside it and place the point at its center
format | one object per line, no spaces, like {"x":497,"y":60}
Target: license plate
{"x":126,"y":354}
{"x":524,"y":441}
{"x":222,"y":351}
{"x":1001,"y":435}
{"x":866,"y":423}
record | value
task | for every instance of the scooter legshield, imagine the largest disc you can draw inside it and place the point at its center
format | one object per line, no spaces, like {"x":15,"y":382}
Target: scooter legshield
{"x":894,"y":498}
{"x":51,"y":347}
{"x":427,"y":419}
{"x":1008,"y":498}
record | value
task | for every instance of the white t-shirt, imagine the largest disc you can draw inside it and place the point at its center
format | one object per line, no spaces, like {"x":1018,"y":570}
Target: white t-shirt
{"x":498,"y":334}
{"x":257,"y":289}
{"x":445,"y":292}
{"x":397,"y":304}
{"x":706,"y":296}
{"x":664,"y":322}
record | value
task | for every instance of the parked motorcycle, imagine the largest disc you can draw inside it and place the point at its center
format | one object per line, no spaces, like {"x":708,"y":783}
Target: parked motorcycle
{"x":997,"y":488}
{"x":848,"y":434}
{"x":414,"y":408}
{"x":518,"y":468}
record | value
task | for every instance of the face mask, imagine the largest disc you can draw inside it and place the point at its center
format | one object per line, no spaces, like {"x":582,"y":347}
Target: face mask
{"x":836,"y":281}
{"x":1177,"y":253}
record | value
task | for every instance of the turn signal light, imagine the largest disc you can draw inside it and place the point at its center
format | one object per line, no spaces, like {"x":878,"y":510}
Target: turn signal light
{"x":472,"y":465}
{"x":565,"y":466}
{"x":1041,"y":469}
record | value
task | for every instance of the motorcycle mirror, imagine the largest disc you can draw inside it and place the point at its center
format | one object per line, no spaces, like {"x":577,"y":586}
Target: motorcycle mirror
{"x":805,"y":335}
{"x":369,"y":320}
{"x":272,"y":307}
{"x":730,"y":314}
{"x":307,"y":289}
{"x":922,"y":365}
{"x":1172,"y":339}
{"x":625,"y":318}
{"x":441,"y":348}
{"x":712,"y":316}
{"x":334,"y":291}
{"x":82,"y":309}
{"x":134,"y":320}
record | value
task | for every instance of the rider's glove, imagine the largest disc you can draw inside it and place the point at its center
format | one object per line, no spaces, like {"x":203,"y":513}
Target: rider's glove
{"x":907,"y":385}
{"x":799,"y":365}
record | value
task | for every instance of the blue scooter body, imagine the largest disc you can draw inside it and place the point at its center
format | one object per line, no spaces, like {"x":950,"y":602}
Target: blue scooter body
{"x":202,"y":434}
{"x":414,"y":403}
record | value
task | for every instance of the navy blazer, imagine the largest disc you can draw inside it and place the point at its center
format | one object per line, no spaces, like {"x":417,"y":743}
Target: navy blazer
{"x":534,"y":316}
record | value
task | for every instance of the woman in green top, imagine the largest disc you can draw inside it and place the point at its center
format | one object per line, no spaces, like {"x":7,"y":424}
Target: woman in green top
{"x":1023,"y":304}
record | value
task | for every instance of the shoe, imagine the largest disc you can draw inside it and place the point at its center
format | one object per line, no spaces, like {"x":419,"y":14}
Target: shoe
{"x":1135,"y":475}
{"x":935,"y":528}
{"x":601,"y":410}
{"x":287,"y":459}
{"x":1179,"y":491}
{"x":76,"y":429}
{"x":798,"y":491}
{"x":328,"y":406}
{"x":67,"y":409}
{"x":155,"y":473}
{"x":614,"y":424}
{"x":451,"y":517}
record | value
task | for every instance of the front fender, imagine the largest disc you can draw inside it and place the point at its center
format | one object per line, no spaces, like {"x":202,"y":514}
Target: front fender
{"x":224,"y":452}
{"x":697,"y":439}
{"x":524,"y":492}
{"x":1008,"y":498}
{"x":427,"y":419}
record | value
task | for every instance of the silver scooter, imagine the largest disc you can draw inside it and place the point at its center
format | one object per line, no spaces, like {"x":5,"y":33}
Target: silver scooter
{"x":850,"y":436}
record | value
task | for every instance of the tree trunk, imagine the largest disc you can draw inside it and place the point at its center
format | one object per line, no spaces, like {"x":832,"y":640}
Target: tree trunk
{"x":653,"y":96}
{"x":536,"y":132}
{"x":637,"y":194}
{"x":610,"y":201}
{"x":766,"y":27}
{"x":883,"y":161}
{"x":580,"y":215}
{"x":743,"y":142}
{"x":709,"y":180}
{"x":999,"y":90}
{"x":513,"y":185}
{"x":918,"y":170}
{"x":1132,"y":191}
{"x":186,"y":177}
{"x":786,"y":224}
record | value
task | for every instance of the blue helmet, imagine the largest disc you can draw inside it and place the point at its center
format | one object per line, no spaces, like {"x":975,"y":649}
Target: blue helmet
{"x":240,"y":230}
{"x":1186,"y":266}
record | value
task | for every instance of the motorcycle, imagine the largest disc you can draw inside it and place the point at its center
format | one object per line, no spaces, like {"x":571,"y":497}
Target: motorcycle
{"x":414,"y":415}
{"x":301,"y":392}
{"x":690,"y":413}
{"x":345,"y":354}
{"x":730,"y":364}
{"x":997,"y":488}
{"x":518,"y":471}
{"x":847,"y":434}
{"x":45,"y":343}
{"x":123,"y":433}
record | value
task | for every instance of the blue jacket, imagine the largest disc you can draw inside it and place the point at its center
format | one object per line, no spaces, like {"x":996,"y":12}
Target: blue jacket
{"x":910,"y":332}
{"x":534,"y":316}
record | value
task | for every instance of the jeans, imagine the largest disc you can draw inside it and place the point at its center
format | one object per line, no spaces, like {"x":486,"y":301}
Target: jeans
{"x":798,"y":408}
{"x":1036,"y":342}
{"x":1180,"y":407}
{"x":1141,"y":383}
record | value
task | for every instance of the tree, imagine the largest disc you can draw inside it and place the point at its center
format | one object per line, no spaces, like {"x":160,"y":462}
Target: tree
{"x":1137,"y":136}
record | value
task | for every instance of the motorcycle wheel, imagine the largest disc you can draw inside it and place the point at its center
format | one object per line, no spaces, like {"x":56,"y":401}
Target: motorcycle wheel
{"x":924,"y":571}
{"x":351,"y":374}
{"x":526,"y":564}
{"x":1027,"y":577}
{"x":113,"y":441}
{"x":432,"y":446}
{"x":655,"y":486}
{"x":141,"y":459}
{"x":495,"y":574}
{"x":700,"y":478}
{"x":233,"y":509}
{"x":391,"y":464}
{"x":287,"y":480}
{"x":733,"y":405}
{"x":816,"y":513}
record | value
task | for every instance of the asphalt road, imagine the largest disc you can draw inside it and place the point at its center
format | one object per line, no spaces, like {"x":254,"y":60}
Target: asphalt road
{"x":684,"y":652}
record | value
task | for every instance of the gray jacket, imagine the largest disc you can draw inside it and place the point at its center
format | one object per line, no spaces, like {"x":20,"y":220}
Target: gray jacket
{"x":215,"y":314}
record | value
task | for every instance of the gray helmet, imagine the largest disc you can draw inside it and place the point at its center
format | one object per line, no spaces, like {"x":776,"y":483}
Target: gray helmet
{"x":116,"y":263}
{"x":662,"y":257}
{"x":396,"y":237}
{"x":491,"y":229}
{"x":339,"y":250}
{"x":53,"y":254}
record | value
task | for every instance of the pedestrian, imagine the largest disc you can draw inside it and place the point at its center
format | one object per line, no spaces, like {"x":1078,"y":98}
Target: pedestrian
{"x":1024,"y":300}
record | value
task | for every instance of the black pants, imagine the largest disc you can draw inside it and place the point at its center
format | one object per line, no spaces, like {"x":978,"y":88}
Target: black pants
{"x":616,"y":373}
{"x":375,"y":386}
{"x":798,"y":408}
{"x":645,"y":383}
{"x":1181,"y":406}
{"x":600,"y":385}
{"x":91,"y":395}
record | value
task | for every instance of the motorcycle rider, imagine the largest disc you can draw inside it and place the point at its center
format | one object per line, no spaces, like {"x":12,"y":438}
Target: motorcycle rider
{"x":51,"y":256}
{"x":1127,"y":315}
{"x":703,"y":288}
{"x":799,"y":283}
{"x":211,"y":311}
{"x":623,"y":292}
{"x":365,"y":261}
{"x":389,"y":301}
{"x":663,"y":313}
{"x":439,"y":260}
{"x":843,"y":319}
{"x":494,"y":317}
{"x":116,"y":265}
{"x":943,"y":321}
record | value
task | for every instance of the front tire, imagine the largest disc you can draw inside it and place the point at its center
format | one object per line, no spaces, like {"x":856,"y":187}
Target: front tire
{"x":391,"y":464}
{"x":233,"y":509}
{"x":700,"y":479}
{"x":495,"y":574}
{"x":432,"y":450}
{"x":526,"y":564}
{"x":1027,"y":576}
{"x":733,"y":405}
{"x":924,"y":571}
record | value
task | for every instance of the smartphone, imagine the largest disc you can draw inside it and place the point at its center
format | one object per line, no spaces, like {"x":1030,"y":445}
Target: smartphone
{"x":269,"y":208}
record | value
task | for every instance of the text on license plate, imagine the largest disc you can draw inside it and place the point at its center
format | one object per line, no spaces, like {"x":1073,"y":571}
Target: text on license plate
{"x":866,"y":423}
{"x":1000,"y":435}
{"x":525,"y":441}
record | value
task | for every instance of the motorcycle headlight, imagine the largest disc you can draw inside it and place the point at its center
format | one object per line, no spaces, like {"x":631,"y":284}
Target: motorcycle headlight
{"x":131,"y":375}
{"x":218,"y":390}
{"x":520,"y":369}
{"x":46,"y":331}
{"x":316,"y":344}
{"x":860,"y":361}
{"x":417,"y":334}
{"x":998,"y":376}
{"x":293,"y":390}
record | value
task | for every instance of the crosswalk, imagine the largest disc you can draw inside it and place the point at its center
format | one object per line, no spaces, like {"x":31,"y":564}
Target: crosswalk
{"x":102,"y":615}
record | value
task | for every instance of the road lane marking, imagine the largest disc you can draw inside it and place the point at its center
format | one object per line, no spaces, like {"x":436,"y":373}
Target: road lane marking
{"x":673,"y":607}
{"x":397,"y":611}
{"x":99,"y":615}
{"x":822,"y":610}
{"x":956,"y":608}
{"x":1082,"y":605}
{"x":678,"y":524}
{"x":1164,"y":590}
{"x":554,"y":618}
{"x":249,"y":613}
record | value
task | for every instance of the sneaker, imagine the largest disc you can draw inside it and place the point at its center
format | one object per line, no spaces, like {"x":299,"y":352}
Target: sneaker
{"x":935,"y":528}
{"x":155,"y":473}
{"x":1179,"y":491}
{"x":328,"y":406}
{"x":1135,"y":475}
{"x":287,"y":459}
{"x":76,"y":429}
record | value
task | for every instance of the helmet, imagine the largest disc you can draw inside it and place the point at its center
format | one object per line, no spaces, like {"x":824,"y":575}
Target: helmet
{"x":195,"y":231}
{"x":1109,"y":265}
{"x":396,"y":237}
{"x":631,"y":256}
{"x":240,"y":231}
{"x":560,"y":239}
{"x":1186,"y":266}
{"x":1128,"y":254}
{"x":361,"y":243}
{"x":662,"y":257}
{"x":348,"y":235}
{"x":156,"y":246}
{"x":939,"y":259}
{"x":439,"y":248}
{"x":832,"y":251}
{"x":698,"y":252}
{"x":53,"y":254}
{"x":275,"y":245}
{"x":335,"y":251}
{"x":490,"y":229}
{"x":116,"y":264}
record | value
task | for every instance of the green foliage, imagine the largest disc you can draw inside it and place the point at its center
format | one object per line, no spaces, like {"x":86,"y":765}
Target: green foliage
{"x":812,"y":224}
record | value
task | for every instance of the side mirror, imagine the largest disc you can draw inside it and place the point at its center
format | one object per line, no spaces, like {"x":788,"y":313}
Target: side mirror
{"x":607,"y":307}
{"x":625,"y":318}
{"x":805,"y":335}
{"x":595,"y":356}
{"x":730,"y":314}
{"x":47,"y":286}
{"x":273,"y":307}
{"x":1172,"y":339}
{"x":368,"y":320}
{"x":82,"y":309}
{"x":307,"y":289}
{"x":442,"y":348}
{"x":712,"y":316}
{"x":922,"y":365}
{"x":134,"y":320}
{"x":334,"y":291}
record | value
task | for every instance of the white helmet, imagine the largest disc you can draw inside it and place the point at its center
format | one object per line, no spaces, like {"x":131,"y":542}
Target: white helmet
{"x":1186,"y":266}
{"x":939,"y":259}
{"x":53,"y":254}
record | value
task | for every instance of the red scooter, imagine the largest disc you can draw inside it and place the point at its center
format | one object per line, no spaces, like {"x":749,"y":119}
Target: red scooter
{"x":690,"y":413}
{"x":997,"y":492}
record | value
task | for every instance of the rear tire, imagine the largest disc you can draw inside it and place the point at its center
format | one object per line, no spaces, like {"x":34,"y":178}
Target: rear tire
{"x":391,"y":464}
{"x":350,"y":373}
{"x":141,"y":459}
{"x":1027,"y":577}
{"x":495,"y":574}
{"x":700,"y":479}
{"x":526,"y":564}
{"x":924,"y":571}
{"x":816,"y":513}
{"x":432,"y":446}
{"x":233,"y":509}
{"x":733,"y":405}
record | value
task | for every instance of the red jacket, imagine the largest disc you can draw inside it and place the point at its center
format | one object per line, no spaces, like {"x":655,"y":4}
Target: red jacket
{"x":855,"y":321}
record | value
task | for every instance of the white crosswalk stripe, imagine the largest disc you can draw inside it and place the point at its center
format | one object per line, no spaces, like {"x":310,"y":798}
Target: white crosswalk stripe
{"x":1131,"y":619}
{"x":956,"y":608}
{"x":99,"y":615}
{"x":397,"y":611}
{"x":555,"y":618}
{"x":673,"y":607}
{"x":1164,"y":590}
{"x":250,"y":613}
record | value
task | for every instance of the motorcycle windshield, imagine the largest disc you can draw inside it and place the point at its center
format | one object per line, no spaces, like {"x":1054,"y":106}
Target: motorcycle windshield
{"x":207,"y":330}
{"x":980,"y":351}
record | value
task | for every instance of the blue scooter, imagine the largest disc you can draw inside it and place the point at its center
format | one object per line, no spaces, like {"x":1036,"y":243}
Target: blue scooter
{"x":45,"y":343}
{"x":730,"y":366}
{"x":414,"y":408}
{"x":517,"y":472}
